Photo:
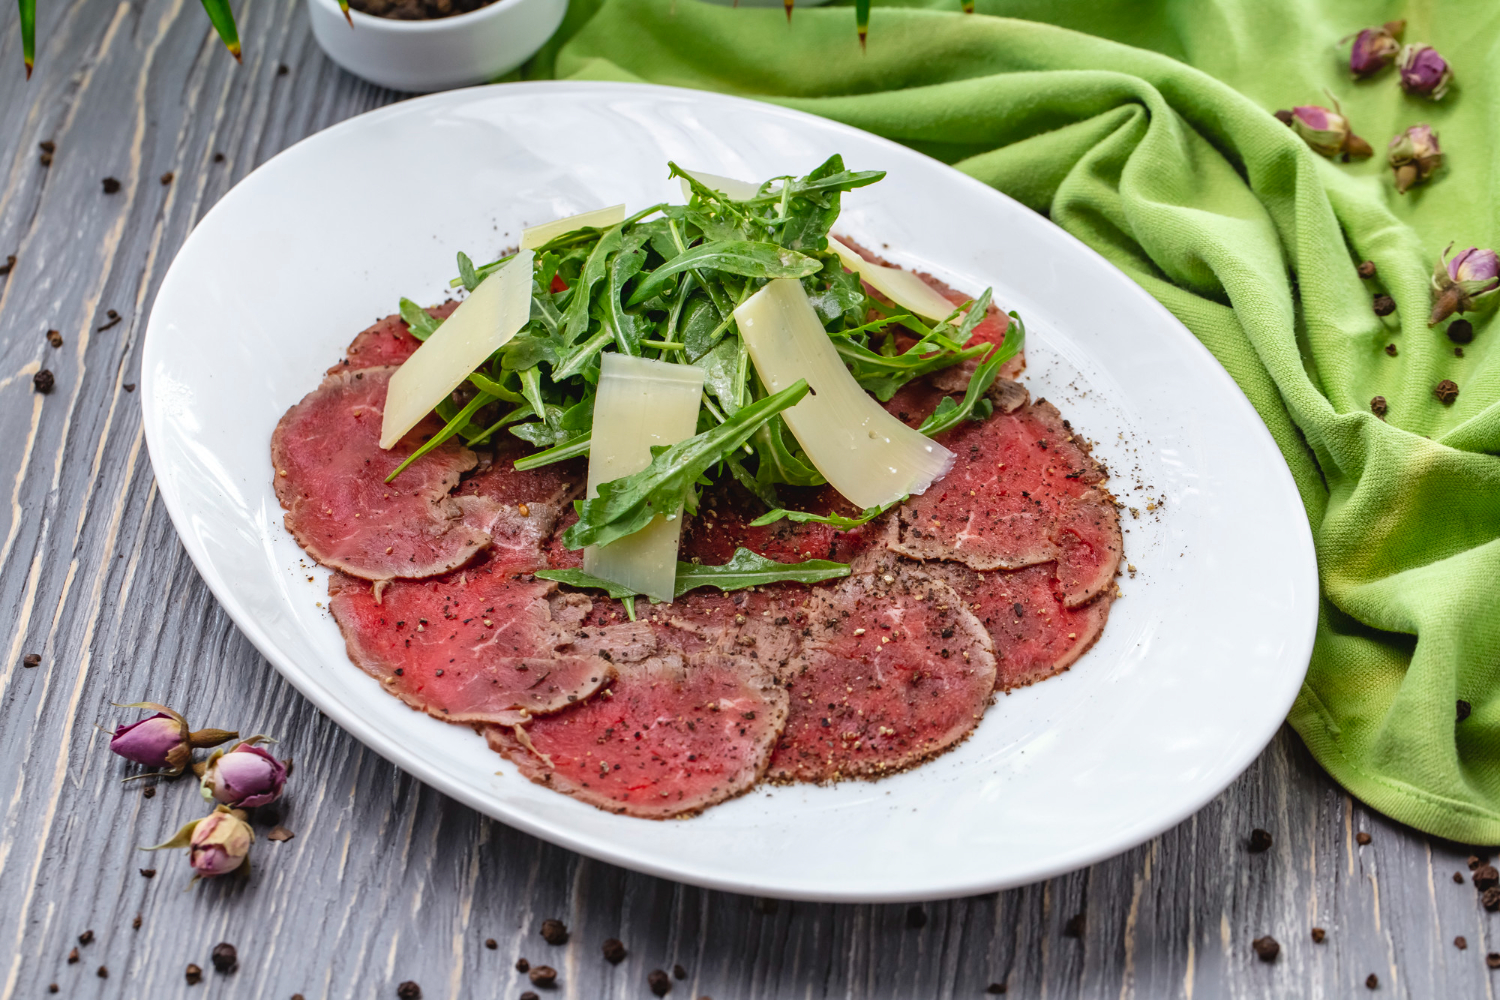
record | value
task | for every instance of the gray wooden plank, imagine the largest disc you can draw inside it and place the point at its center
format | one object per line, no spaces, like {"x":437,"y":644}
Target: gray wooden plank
{"x":387,"y":880}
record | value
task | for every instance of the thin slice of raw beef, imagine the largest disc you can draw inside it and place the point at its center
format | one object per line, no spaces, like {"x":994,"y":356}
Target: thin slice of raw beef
{"x":1036,"y":634}
{"x":673,"y":735}
{"x":1023,"y":492}
{"x":524,"y":506}
{"x":483,"y":644}
{"x":892,"y":670}
{"x":329,"y":474}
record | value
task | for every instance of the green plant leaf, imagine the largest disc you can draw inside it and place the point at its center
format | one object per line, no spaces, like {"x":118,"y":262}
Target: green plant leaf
{"x":744,"y":569}
{"x":751,"y":260}
{"x":747,"y":569}
{"x":836,"y":520}
{"x":466,"y":272}
{"x":595,"y":268}
{"x":778,"y":464}
{"x":223,"y":22}
{"x":419,"y":321}
{"x":28,"y":33}
{"x":626,"y":505}
{"x":949,"y":414}
{"x":569,"y":449}
{"x":578,"y":578}
{"x":458,"y":422}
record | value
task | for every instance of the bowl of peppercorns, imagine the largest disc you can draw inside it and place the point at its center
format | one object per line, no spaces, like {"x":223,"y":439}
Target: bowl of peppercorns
{"x":421,"y":46}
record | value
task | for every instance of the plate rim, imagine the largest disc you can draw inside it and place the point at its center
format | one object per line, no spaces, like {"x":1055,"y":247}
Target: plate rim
{"x":394,"y":751}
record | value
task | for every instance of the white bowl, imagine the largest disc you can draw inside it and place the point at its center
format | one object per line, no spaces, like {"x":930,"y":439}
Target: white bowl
{"x":423,"y":56}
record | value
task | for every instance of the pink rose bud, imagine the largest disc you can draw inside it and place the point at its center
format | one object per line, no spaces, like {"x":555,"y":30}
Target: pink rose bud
{"x":1424,"y":73}
{"x":1327,"y":132}
{"x":1466,"y":282}
{"x":1414,"y":155}
{"x":160,"y":741}
{"x":164,"y":740}
{"x":1375,"y":48}
{"x":244,"y":777}
{"x":1475,"y":265}
{"x":220,"y":843}
{"x":217,"y":844}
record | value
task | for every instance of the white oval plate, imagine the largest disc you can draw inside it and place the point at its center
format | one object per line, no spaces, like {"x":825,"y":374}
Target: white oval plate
{"x":1197,"y":668}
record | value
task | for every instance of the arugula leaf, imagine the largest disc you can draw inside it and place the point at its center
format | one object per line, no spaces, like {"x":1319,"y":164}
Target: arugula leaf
{"x":484,"y":384}
{"x":778,"y":464}
{"x":747,"y":569}
{"x":628,"y":329}
{"x":421,"y":323}
{"x":744,"y":569}
{"x":701,"y":329}
{"x":544,"y":434}
{"x":808,"y":212}
{"x":742,"y":257}
{"x":578,"y":578}
{"x":459,"y":421}
{"x":978,"y":310}
{"x":950,"y":414}
{"x":837,"y":520}
{"x":571,"y":448}
{"x":626,"y":505}
{"x":519,"y":413}
{"x":721,"y":368}
{"x":466,"y":273}
{"x":842,"y":180}
{"x":576,"y":316}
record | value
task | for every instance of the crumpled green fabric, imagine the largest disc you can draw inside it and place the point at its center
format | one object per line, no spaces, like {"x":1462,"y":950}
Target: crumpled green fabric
{"x":1144,"y":128}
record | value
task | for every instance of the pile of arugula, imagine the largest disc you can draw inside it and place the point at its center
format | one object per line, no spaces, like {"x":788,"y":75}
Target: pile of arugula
{"x":664,"y":284}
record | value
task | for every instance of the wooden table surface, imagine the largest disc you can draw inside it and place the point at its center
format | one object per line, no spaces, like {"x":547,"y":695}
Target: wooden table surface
{"x":386,"y":880}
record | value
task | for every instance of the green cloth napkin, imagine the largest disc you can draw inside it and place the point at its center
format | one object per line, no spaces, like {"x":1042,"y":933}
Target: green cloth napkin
{"x":1145,"y":130}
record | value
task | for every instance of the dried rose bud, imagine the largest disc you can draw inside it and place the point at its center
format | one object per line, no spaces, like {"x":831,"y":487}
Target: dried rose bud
{"x":1466,"y":282}
{"x":1414,"y":155}
{"x":1327,"y":132}
{"x":1375,"y":48}
{"x":217,"y":844}
{"x":164,"y":740}
{"x":243,"y":777}
{"x":1424,"y":73}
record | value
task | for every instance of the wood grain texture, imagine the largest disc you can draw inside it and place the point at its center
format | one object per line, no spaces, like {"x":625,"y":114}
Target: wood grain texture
{"x":387,"y":880}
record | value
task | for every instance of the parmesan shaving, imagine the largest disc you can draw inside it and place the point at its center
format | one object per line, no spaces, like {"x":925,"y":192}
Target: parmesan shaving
{"x":481,"y":325}
{"x":640,"y":404}
{"x":865,"y":453}
{"x":599,"y":218}
{"x":901,"y":287}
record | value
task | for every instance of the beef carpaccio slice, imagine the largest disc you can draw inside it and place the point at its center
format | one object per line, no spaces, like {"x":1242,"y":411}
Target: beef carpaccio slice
{"x":1024,"y":492}
{"x":671,"y":736}
{"x":892,"y":670}
{"x":1035,"y":634}
{"x":483,"y":644}
{"x":526,"y":504}
{"x":387,"y":341}
{"x":330,"y":477}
